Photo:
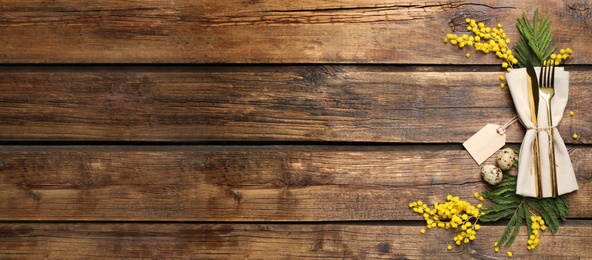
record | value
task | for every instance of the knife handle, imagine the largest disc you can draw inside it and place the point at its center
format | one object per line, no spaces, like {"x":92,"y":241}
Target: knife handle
{"x":537,"y":166}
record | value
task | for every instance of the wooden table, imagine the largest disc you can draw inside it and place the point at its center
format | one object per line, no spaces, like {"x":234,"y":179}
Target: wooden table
{"x":261,"y":129}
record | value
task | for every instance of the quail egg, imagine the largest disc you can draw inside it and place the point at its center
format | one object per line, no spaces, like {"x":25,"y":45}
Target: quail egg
{"x":491,"y":174}
{"x":505,"y":159}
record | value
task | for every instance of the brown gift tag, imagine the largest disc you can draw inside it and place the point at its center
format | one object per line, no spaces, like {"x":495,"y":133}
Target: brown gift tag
{"x":485,"y":142}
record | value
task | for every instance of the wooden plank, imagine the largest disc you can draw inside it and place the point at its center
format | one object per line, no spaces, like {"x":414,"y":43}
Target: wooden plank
{"x":261,"y":103}
{"x":275,"y":241}
{"x":237,"y":31}
{"x":243,"y":183}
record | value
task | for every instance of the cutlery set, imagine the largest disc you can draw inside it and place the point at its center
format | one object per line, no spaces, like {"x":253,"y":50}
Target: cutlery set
{"x":544,"y":88}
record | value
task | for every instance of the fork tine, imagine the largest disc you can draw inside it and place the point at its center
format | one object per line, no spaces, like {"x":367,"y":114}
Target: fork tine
{"x":552,"y":83}
{"x":550,"y":64}
{"x":545,"y":74}
{"x":541,"y":74}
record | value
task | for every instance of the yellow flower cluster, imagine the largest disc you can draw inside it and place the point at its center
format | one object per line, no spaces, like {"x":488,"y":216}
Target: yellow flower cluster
{"x":454,"y":213}
{"x":486,"y":40}
{"x":537,"y":224}
{"x":561,"y":56}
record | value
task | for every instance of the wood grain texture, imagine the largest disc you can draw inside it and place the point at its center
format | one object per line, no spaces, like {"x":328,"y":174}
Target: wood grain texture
{"x":243,"y":183}
{"x":265,"y":241}
{"x":265,"y":103}
{"x":239,"y":31}
{"x":223,"y":90}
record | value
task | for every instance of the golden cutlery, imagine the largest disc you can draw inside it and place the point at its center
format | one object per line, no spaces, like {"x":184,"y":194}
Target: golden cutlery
{"x":547,"y":91}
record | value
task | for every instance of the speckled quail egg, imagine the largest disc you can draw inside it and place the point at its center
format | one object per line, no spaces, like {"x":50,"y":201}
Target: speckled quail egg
{"x":491,"y":174}
{"x":505,"y":159}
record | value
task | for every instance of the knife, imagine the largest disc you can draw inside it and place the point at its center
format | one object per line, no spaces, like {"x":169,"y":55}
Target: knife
{"x":533,"y":99}
{"x":534,"y":87}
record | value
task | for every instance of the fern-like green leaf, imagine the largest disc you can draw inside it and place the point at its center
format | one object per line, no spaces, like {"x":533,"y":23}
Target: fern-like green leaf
{"x":558,"y":206}
{"x":507,"y":190}
{"x":498,"y":208}
{"x":534,"y":43}
{"x":503,"y":199}
{"x":563,"y":205}
{"x":514,"y":221}
{"x":520,"y":215}
{"x":523,"y":53}
{"x":527,"y":219}
{"x":509,"y":181}
{"x":499,"y":215}
{"x":548,"y":216}
{"x":505,"y":183}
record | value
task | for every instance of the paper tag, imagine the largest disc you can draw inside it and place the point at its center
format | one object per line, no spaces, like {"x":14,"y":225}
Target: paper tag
{"x":485,"y":143}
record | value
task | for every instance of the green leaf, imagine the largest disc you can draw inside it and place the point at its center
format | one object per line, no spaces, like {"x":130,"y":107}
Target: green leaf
{"x":528,"y":220}
{"x":510,"y":230}
{"x":499,"y":215}
{"x":503,"y":199}
{"x":534,"y":43}
{"x":498,"y":208}
{"x":520,"y":215}
{"x":558,"y":206}
{"x":508,"y":180}
{"x":506,"y":183}
{"x":563,"y":205}
{"x":548,"y":216}
{"x":504,"y":190}
{"x":523,"y":52}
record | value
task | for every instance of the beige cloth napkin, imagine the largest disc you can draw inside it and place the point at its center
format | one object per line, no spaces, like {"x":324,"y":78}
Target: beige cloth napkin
{"x":566,"y":179}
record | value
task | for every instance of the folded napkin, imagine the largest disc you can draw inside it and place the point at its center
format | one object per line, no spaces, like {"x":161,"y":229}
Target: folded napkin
{"x":566,"y":179}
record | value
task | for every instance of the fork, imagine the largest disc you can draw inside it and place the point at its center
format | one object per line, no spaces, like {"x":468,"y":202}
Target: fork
{"x":547,"y":91}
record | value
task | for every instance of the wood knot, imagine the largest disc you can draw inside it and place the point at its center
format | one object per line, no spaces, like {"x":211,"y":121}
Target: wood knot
{"x":384,"y":247}
{"x":580,"y":12}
